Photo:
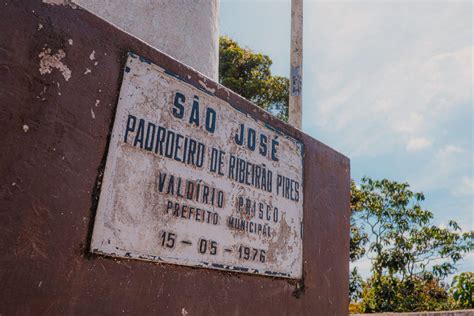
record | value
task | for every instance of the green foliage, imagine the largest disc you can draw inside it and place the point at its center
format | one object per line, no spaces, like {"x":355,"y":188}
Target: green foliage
{"x":409,"y":254}
{"x":462,"y":290}
{"x":355,"y":308}
{"x":248,"y":74}
{"x":390,"y":293}
{"x":355,"y":285}
{"x":359,"y":238}
{"x":401,"y":237}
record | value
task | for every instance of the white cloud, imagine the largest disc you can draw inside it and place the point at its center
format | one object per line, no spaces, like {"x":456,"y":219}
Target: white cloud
{"x":410,"y":124}
{"x":445,"y":169}
{"x":387,"y":73}
{"x":464,"y":187}
{"x":451,"y":149}
{"x":390,"y":85}
{"x":418,"y":143}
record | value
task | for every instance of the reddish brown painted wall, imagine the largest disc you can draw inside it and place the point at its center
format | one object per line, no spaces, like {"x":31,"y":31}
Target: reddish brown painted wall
{"x":48,"y":188}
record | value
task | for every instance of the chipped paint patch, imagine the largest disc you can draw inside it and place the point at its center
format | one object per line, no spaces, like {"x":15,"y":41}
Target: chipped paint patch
{"x":70,"y":41}
{"x":26,"y":128}
{"x":92,"y":113}
{"x":55,"y":2}
{"x":49,"y":61}
{"x":87,"y":71}
{"x":92,"y":55}
{"x":204,"y":85}
{"x":97,"y":103}
{"x":61,"y":2}
{"x":40,"y":26}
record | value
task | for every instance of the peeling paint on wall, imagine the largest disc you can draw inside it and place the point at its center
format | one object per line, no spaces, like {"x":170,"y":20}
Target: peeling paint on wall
{"x":61,"y":2}
{"x":49,"y":61}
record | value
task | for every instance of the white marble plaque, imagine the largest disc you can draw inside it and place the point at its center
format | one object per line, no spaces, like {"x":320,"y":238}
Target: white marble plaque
{"x":191,"y":180}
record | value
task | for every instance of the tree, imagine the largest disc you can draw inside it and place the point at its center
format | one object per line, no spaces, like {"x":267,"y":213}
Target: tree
{"x":356,"y":284}
{"x":357,"y":244}
{"x":391,"y":293}
{"x":248,"y":74}
{"x":462,"y":290}
{"x":406,"y":250}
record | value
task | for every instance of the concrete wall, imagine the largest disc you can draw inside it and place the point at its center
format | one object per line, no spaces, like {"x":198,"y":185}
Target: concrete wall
{"x":186,"y":30}
{"x":61,"y":70}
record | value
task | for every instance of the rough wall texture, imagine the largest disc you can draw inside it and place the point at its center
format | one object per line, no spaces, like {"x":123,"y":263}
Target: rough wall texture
{"x":60,"y":74}
{"x":186,"y":30}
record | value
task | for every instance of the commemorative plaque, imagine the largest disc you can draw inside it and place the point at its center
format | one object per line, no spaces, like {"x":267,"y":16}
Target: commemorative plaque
{"x":191,"y":180}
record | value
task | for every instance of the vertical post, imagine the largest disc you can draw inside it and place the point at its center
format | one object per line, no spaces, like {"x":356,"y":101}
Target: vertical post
{"x":186,"y":30}
{"x":296,"y":61}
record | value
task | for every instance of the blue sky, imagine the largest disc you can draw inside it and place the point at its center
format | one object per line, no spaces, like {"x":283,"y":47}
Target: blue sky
{"x":387,"y":83}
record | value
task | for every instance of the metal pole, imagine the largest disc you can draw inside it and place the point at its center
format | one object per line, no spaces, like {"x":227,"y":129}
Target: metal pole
{"x":296,"y":61}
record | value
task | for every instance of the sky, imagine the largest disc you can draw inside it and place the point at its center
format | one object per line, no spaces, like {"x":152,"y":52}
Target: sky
{"x":387,"y":83}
